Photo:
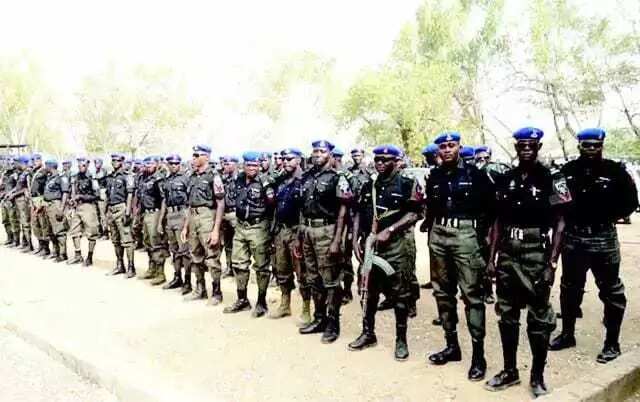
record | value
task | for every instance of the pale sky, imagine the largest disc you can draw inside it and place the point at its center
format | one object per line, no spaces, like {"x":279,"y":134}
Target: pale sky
{"x":215,"y":45}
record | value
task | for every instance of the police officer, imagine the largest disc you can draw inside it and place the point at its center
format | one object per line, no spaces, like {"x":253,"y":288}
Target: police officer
{"x":529,"y":200}
{"x":337,"y":155}
{"x":229,"y":177}
{"x":100,"y":174}
{"x":9,"y":212}
{"x":278,"y":163}
{"x":467,"y":154}
{"x":359,"y":169}
{"x":202,"y":227}
{"x":457,"y":194}
{"x":138,"y":171}
{"x":325,"y":195}
{"x":151,"y":192}
{"x":56,"y":194}
{"x":602,"y":192}
{"x":174,"y":213}
{"x":39,"y":221}
{"x":387,"y":209}
{"x":20,"y":197}
{"x":120,"y":189}
{"x":254,"y":205}
{"x":265,"y":163}
{"x":85,"y":192}
{"x":287,"y":221}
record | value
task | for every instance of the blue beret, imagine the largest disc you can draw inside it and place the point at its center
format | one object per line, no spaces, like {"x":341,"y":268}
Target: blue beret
{"x":137,"y":161}
{"x":387,"y":150}
{"x":23,"y":159}
{"x":291,"y":152}
{"x":117,"y":156}
{"x":97,"y":160}
{"x":322,"y":144}
{"x":447,"y":136}
{"x":128,"y":160}
{"x":251,"y":156}
{"x":337,"y":152}
{"x":51,"y":162}
{"x":528,"y":133}
{"x":357,"y":150}
{"x":202,"y":149}
{"x":173,"y":158}
{"x":483,"y":148}
{"x":265,"y":156}
{"x":229,"y":158}
{"x":430,"y":149}
{"x":36,"y":157}
{"x":82,"y":160}
{"x":467,"y":152}
{"x":66,"y":162}
{"x":592,"y":134}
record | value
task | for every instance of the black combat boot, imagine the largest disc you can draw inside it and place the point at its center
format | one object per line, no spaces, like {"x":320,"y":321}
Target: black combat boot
{"x":427,"y":285}
{"x":562,"y":341}
{"x":241,"y":304}
{"x":387,"y":304}
{"x":151,"y":271}
{"x":539,"y":347}
{"x":402,"y":349}
{"x":38,"y":252}
{"x":56,"y":251}
{"x":478,"y":367}
{"x":611,"y":349}
{"x":131,"y":270}
{"x":509,"y":335}
{"x":63,"y":252}
{"x":367,"y":338}
{"x":9,"y":241}
{"x":89,"y":260}
{"x":186,"y":285}
{"x":347,"y":294}
{"x":26,"y":243}
{"x":319,"y":315}
{"x":451,"y":353}
{"x":29,"y":247}
{"x":216,"y":293}
{"x":176,"y":282}
{"x":47,"y":251}
{"x":159,"y":278}
{"x":261,"y":305}
{"x":77,"y":258}
{"x":119,"y":268}
{"x":334,"y":302}
{"x":200,"y":292}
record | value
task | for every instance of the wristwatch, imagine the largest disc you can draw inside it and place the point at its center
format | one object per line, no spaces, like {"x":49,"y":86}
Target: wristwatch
{"x":391,"y":229}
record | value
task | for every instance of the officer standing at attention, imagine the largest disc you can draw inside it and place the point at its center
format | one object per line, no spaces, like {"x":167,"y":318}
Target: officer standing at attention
{"x":287,"y":215}
{"x":265,"y":163}
{"x":174,"y":213}
{"x":255,"y":200}
{"x":100,"y":175}
{"x":457,"y":194}
{"x":229,"y":177}
{"x":39,"y":221}
{"x":151,"y":191}
{"x":120,"y":189}
{"x":9,"y":212}
{"x":202,"y":228}
{"x":529,"y":205}
{"x":85,"y":192}
{"x":20,"y":198}
{"x":56,"y":193}
{"x":325,"y":195}
{"x":602,"y":192}
{"x":388,"y":208}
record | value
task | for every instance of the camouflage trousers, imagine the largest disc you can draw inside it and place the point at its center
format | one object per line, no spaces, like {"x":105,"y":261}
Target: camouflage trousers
{"x":39,"y":221}
{"x":599,"y":252}
{"x":457,"y":262}
{"x":519,"y":284}
{"x":286,"y":265}
{"x":154,"y":242}
{"x":120,"y":233}
{"x":23,"y":209}
{"x":84,"y":220}
{"x":201,"y":221}
{"x":252,"y":240}
{"x":10,"y":218}
{"x":54,"y":210}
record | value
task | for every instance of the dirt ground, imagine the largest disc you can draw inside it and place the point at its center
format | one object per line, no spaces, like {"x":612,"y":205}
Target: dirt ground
{"x":194,"y":352}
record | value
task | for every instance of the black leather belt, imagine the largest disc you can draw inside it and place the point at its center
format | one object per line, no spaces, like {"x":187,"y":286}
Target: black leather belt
{"x":150,"y":210}
{"x":319,"y":222}
{"x":227,"y":210}
{"x":251,"y":222}
{"x":526,"y":233}
{"x":591,"y":228}
{"x":176,"y":208}
{"x":455,"y":222}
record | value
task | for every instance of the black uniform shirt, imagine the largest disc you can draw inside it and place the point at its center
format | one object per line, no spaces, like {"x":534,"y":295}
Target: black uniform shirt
{"x":323,"y":190}
{"x":176,"y":189}
{"x":38,"y":181}
{"x":601,"y":192}
{"x":288,"y":199}
{"x":56,"y":185}
{"x":151,"y":191}
{"x":205,"y":188}
{"x":230,"y":192}
{"x":119,"y":185}
{"x":85,"y":187}
{"x":253,"y":197}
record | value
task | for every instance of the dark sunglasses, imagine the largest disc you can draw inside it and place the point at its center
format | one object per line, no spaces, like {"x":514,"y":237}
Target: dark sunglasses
{"x":383,"y":159}
{"x":173,"y":163}
{"x":251,"y":164}
{"x":526,"y":144}
{"x":289,"y":158}
{"x":594,"y":145}
{"x":197,"y":155}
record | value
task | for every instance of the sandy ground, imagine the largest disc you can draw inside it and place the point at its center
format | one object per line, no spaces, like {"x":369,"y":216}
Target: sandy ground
{"x":29,"y":375}
{"x":194,"y":352}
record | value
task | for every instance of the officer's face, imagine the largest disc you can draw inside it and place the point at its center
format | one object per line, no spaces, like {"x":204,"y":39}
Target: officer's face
{"x":251,"y":169}
{"x":174,"y":167}
{"x":278,"y":161}
{"x":591,"y":149}
{"x":151,"y":167}
{"x":229,"y":167}
{"x":264,"y":165}
{"x":385,"y":164}
{"x":357,"y":158}
{"x":82,"y":167}
{"x":37,"y":163}
{"x":482,"y":158}
{"x":200,"y":160}
{"x":528,"y":150}
{"x":320,"y":156}
{"x":66,"y":166}
{"x":291,"y":163}
{"x":449,"y":151}
{"x":97,"y":164}
{"x":337,"y":162}
{"x":116,"y":163}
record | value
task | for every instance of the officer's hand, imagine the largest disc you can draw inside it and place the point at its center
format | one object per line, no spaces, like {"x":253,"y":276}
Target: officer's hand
{"x":549,"y":274}
{"x":357,"y":250}
{"x":334,"y":247}
{"x":126,"y":220}
{"x":297,"y":249}
{"x":491,"y":269}
{"x":59,"y":216}
{"x":184,"y":234}
{"x":383,"y":236}
{"x":160,"y":229}
{"x":214,"y":239}
{"x":424,"y":226}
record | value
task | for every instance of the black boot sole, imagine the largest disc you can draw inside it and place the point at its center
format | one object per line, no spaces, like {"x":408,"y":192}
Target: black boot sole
{"x":401,"y":359}
{"x":367,"y":346}
{"x":501,"y":387}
